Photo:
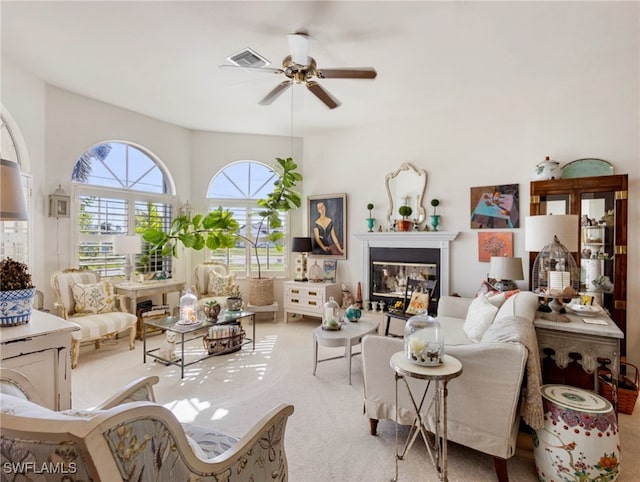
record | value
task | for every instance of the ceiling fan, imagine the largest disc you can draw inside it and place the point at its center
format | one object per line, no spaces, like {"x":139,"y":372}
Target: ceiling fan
{"x":299,"y":68}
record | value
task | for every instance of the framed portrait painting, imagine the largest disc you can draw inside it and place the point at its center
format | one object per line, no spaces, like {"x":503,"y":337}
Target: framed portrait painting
{"x":328,"y":225}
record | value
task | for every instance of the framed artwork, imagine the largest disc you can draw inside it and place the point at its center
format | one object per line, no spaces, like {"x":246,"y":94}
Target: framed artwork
{"x":328,"y":225}
{"x":494,"y":244}
{"x":330,"y":266}
{"x":495,"y":207}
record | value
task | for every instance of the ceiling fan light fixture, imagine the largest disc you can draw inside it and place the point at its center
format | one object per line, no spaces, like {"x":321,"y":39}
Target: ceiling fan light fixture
{"x":299,"y":48}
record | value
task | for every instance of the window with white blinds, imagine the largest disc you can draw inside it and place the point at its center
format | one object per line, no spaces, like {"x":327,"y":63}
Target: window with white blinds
{"x":109,"y":178}
{"x":237,"y":187}
{"x":14,"y":235}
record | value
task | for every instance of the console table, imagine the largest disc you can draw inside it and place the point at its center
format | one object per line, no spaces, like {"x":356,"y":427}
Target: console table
{"x":590,"y":341}
{"x":41,"y":351}
{"x":133,"y":291}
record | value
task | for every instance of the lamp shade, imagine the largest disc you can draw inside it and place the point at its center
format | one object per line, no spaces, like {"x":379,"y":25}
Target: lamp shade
{"x":13,"y":206}
{"x":505,"y":268}
{"x":301,"y":245}
{"x":127,"y":244}
{"x":540,"y":231}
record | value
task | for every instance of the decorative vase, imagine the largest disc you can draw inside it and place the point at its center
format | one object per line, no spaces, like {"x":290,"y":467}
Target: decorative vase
{"x":371,"y":223}
{"x":435,"y":221}
{"x":212,"y":311}
{"x":261,"y":291}
{"x":547,"y":169}
{"x":404,"y":225}
{"x":353,"y":313}
{"x":15,"y":306}
{"x":234,"y":303}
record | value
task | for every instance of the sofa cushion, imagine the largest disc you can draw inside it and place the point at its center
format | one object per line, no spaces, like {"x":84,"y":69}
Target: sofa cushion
{"x":479,"y":317}
{"x":93,"y":297}
{"x":94,"y":326}
{"x":523,"y":304}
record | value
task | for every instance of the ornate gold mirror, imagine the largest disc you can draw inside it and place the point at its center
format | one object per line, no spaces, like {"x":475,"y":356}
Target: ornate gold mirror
{"x":406,"y":187}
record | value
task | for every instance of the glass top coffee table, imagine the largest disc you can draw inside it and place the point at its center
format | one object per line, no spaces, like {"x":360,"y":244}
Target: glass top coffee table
{"x":192,"y":331}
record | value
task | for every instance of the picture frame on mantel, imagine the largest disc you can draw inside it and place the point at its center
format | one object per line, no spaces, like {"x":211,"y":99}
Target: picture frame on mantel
{"x":328,"y":225}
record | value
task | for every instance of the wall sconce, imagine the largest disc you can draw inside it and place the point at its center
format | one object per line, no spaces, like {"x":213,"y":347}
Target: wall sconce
{"x":59,"y":203}
{"x":187,"y":210}
{"x":13,"y":206}
{"x":302,"y":246}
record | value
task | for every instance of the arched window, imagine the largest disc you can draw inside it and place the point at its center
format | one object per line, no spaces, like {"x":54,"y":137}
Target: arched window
{"x":120,"y":189}
{"x":237,"y":188}
{"x":15,"y":234}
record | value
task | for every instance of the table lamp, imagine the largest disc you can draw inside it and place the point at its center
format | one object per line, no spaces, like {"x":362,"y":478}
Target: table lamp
{"x":129,"y":246}
{"x":13,"y":206}
{"x":302,"y":246}
{"x":505,"y":271}
{"x":554,"y":273}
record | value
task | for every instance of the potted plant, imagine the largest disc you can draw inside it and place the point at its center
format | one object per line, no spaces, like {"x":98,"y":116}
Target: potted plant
{"x":435,"y":218}
{"x":370,"y":220}
{"x":211,"y":308}
{"x":218,"y":228}
{"x":16,"y":293}
{"x":404,"y":224}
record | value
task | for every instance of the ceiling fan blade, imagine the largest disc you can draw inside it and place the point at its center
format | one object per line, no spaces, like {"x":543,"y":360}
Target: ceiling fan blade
{"x":275,"y":93}
{"x":299,"y":48}
{"x":350,"y":73}
{"x":317,"y":90}
{"x":263,"y":70}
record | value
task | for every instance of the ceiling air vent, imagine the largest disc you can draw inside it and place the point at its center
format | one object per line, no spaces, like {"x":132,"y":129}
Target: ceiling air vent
{"x":248,"y":58}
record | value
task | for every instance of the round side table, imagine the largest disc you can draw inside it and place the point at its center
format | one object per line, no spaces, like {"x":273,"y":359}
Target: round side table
{"x":580,"y":436}
{"x":440,"y":376}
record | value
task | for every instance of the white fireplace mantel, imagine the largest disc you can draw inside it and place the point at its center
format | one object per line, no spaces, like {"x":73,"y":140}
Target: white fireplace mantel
{"x":413,"y":239}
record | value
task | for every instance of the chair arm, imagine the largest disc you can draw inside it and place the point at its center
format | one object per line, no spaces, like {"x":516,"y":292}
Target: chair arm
{"x":136,"y":391}
{"x":60,"y":310}
{"x":13,"y":382}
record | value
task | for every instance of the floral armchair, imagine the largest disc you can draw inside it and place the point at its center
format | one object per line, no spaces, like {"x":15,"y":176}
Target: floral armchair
{"x":130,"y":437}
{"x":86,"y":300}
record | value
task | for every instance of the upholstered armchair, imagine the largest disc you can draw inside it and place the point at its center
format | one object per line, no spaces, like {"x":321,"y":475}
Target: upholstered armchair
{"x":84,"y":299}
{"x":214,"y":282}
{"x":130,"y":437}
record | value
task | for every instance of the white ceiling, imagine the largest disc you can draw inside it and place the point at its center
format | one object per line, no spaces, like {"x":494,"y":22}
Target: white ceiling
{"x":161,"y":58}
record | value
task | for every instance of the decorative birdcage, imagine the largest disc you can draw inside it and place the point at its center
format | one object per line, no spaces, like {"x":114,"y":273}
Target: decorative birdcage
{"x":555,"y":273}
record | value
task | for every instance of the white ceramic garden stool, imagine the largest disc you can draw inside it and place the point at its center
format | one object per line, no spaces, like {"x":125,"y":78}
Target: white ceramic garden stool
{"x":580,"y":436}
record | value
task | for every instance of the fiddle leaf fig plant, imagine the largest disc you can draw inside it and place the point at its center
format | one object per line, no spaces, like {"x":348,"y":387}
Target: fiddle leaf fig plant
{"x":218,"y":228}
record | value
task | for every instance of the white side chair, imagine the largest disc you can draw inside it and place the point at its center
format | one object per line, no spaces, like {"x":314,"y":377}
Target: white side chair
{"x":93,"y":326}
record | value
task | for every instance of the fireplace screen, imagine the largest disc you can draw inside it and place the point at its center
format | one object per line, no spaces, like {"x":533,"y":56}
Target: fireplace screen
{"x":389,"y":278}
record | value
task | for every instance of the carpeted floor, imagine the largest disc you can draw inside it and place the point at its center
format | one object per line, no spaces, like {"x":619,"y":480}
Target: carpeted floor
{"x":327,"y":437}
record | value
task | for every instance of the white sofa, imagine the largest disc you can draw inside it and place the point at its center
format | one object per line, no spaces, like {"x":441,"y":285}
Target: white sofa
{"x":483,"y":403}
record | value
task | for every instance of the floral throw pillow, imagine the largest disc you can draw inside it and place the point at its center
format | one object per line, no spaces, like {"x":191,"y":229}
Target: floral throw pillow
{"x":94,"y":297}
{"x":221,"y":285}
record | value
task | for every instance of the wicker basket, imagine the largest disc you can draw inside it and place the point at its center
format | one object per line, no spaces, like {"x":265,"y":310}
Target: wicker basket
{"x":627,"y":389}
{"x":216,"y":344}
{"x":261,"y":291}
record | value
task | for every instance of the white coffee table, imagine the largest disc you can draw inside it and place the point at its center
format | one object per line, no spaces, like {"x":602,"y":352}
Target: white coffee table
{"x":349,"y":335}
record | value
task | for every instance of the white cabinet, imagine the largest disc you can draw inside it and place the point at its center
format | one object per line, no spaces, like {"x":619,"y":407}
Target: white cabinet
{"x":307,"y":298}
{"x":41,"y":351}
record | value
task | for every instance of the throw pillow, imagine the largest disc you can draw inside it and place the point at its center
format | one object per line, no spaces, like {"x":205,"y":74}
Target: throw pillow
{"x":221,"y":285}
{"x":479,"y":318}
{"x":94,"y":297}
{"x":419,"y":302}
